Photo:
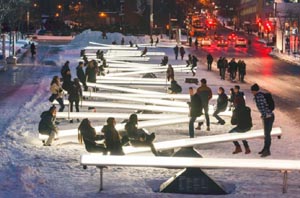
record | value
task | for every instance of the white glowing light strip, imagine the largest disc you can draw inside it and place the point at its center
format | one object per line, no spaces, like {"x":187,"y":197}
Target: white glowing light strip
{"x":155,"y":108}
{"x":131,"y":78}
{"x":123,"y":89}
{"x":133,"y":53}
{"x":147,"y":71}
{"x":145,"y":66}
{"x":203,"y":140}
{"x":185,"y":97}
{"x":126,"y":58}
{"x":115,"y":82}
{"x":95,"y":115}
{"x":119,"y":47}
{"x":142,"y":100}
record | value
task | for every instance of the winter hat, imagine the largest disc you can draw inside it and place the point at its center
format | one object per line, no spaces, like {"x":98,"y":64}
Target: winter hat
{"x":52,"y":108}
{"x":203,"y":81}
{"x":255,"y":87}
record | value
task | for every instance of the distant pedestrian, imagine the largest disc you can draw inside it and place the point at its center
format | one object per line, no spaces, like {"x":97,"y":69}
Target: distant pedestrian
{"x":104,"y":36}
{"x":157,"y":41}
{"x":232,"y":69}
{"x":241,"y":117}
{"x":210,"y":60}
{"x":32,"y":49}
{"x":267,"y":116}
{"x":182,"y":52}
{"x":195,"y":107}
{"x":47,"y":125}
{"x":64,"y":69}
{"x":224,"y":67}
{"x":194,"y":64}
{"x":241,"y":70}
{"x":222,"y":103}
{"x":189,"y":61}
{"x":190,"y":41}
{"x":176,"y":51}
{"x":196,"y":43}
{"x":151,"y":40}
{"x":220,"y":65}
{"x":205,"y":93}
{"x":122,"y":41}
{"x":170,"y":73}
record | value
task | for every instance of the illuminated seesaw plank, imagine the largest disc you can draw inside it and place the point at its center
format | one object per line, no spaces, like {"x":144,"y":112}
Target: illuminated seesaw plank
{"x":96,"y":115}
{"x":131,"y":78}
{"x":125,"y":58}
{"x":120,"y":127}
{"x":147,"y":71}
{"x":115,"y":82}
{"x":137,"y":99}
{"x":133,"y":53}
{"x":153,"y":108}
{"x":145,"y":93}
{"x":119,"y":47}
{"x":122,"y":89}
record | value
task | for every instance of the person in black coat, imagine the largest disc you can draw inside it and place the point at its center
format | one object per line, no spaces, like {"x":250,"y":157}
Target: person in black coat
{"x":74,"y":96}
{"x":81,"y":76}
{"x":194,"y":64}
{"x":182,"y":52}
{"x":222,"y":103}
{"x":210,"y":60}
{"x":32,"y":49}
{"x":139,"y":137}
{"x":241,"y":117}
{"x":67,"y":81}
{"x":47,"y":125}
{"x":87,"y":134}
{"x":112,"y":137}
{"x":241,"y":70}
{"x":64,"y":69}
{"x":237,"y":95}
{"x":195,"y":106}
{"x":91,"y":71}
{"x":176,"y":50}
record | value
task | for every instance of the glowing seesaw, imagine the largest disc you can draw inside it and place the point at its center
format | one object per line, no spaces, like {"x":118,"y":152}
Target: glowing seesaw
{"x":137,"y":99}
{"x":119,"y":47}
{"x":122,"y":89}
{"x":131,"y":78}
{"x":120,"y":127}
{"x":96,"y":115}
{"x":125,"y":58}
{"x":137,"y":83}
{"x":133,"y":53}
{"x":152,"y":108}
{"x":202,"y":140}
{"x":145,"y":93}
{"x":147,"y":71}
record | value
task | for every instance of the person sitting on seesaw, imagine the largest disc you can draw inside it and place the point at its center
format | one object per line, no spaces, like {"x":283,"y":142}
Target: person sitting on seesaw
{"x":139,"y":137}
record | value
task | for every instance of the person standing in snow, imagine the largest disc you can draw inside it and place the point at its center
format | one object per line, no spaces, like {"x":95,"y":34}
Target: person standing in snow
{"x":210,"y":60}
{"x":182,"y":52}
{"x":47,"y":125}
{"x":267,"y":117}
{"x":57,"y":93}
{"x":170,"y":73}
{"x":81,"y":76}
{"x":75,"y":94}
{"x":176,"y":50}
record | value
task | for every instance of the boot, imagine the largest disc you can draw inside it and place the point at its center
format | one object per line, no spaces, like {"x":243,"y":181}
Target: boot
{"x":237,"y":150}
{"x":247,"y":150}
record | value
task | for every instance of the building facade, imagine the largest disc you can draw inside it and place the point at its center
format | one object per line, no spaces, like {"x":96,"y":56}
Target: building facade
{"x":287,"y":21}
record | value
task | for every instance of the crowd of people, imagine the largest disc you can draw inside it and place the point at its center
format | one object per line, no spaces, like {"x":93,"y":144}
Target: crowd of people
{"x":241,"y":114}
{"x":199,"y":105}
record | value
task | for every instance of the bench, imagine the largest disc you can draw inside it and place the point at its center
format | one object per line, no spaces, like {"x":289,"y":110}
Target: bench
{"x":101,"y":162}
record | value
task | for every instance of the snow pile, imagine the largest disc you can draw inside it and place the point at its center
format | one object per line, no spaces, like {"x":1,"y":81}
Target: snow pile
{"x":83,"y":39}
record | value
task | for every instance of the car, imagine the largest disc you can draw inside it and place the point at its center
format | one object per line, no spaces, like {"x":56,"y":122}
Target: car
{"x":240,"y":42}
{"x":205,"y":42}
{"x":232,"y":37}
{"x":222,"y":43}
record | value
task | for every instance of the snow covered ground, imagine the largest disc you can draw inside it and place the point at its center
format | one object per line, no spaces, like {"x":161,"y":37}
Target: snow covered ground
{"x":28,"y":169}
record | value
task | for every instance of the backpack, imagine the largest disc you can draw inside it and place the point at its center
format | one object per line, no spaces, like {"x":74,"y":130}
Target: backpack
{"x":270,"y":101}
